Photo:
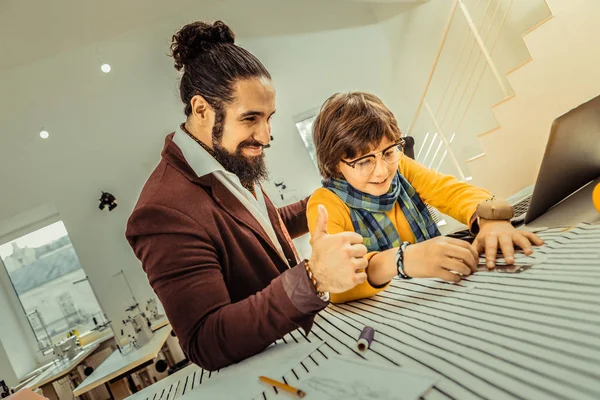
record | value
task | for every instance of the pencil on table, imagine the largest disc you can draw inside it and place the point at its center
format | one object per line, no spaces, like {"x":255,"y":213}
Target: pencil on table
{"x":282,"y":386}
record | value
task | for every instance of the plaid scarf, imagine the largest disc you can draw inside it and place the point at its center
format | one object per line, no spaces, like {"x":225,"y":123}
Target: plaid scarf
{"x":368,"y":213}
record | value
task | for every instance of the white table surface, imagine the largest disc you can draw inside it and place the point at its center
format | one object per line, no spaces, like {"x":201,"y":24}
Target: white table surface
{"x":58,"y":370}
{"x":119,"y":363}
{"x":159,"y":323}
{"x":533,"y":335}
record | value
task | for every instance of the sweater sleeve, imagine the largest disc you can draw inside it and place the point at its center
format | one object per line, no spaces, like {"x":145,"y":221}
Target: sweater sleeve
{"x":444,"y":192}
{"x":184,"y":270}
{"x":338,"y":221}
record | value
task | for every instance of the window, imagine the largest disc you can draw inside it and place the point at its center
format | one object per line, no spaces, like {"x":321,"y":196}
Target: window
{"x":305,"y":128}
{"x":51,"y":285}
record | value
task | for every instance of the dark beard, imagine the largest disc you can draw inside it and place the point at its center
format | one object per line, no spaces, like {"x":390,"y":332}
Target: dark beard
{"x":250,"y":170}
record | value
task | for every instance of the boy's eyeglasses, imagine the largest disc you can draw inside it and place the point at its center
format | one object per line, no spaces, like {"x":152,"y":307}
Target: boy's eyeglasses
{"x":365,"y":165}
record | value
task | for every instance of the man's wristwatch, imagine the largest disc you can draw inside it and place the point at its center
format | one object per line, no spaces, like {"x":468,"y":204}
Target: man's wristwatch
{"x":324,"y":296}
{"x":400,"y":261}
{"x":491,"y":209}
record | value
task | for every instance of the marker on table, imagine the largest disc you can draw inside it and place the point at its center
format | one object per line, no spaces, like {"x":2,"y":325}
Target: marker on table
{"x":366,"y":338}
{"x":282,"y":386}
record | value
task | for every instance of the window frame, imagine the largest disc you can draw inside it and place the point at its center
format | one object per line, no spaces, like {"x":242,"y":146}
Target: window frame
{"x":11,"y":230}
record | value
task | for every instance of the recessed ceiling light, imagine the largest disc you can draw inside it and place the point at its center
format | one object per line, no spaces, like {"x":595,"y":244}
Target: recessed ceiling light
{"x":44,"y":134}
{"x":105,"y":68}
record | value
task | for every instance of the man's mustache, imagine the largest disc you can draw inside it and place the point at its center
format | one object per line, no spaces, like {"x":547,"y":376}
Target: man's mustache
{"x":252,"y":143}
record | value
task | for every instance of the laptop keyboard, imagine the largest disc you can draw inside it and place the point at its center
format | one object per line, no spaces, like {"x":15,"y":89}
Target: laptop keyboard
{"x":522,"y":206}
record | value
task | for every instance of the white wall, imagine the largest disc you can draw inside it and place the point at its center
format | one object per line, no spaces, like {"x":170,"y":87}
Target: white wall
{"x":107,"y":131}
{"x":17,"y":356}
{"x":6,"y":372}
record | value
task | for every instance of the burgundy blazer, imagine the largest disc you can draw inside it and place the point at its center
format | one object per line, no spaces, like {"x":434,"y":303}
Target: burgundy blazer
{"x":226,"y":291}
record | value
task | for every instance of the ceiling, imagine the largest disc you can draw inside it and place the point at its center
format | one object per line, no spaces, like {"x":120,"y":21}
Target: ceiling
{"x":388,"y":1}
{"x":31,"y":30}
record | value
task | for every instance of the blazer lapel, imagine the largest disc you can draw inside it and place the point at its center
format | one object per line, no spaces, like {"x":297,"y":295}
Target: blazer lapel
{"x":223,"y":197}
{"x":228,"y":202}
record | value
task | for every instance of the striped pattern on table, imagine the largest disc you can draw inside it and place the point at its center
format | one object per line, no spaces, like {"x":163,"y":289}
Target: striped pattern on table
{"x":533,"y":335}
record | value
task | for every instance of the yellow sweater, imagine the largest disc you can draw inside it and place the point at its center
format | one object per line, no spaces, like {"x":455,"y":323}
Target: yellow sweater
{"x":444,"y":192}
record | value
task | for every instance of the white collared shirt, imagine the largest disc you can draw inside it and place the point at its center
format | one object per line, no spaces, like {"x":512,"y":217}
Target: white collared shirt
{"x":203,"y":164}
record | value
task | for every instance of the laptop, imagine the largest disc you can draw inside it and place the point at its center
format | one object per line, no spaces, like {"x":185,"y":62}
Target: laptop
{"x":571,"y":161}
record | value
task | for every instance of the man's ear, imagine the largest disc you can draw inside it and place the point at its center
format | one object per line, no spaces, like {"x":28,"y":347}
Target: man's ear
{"x":200,"y":107}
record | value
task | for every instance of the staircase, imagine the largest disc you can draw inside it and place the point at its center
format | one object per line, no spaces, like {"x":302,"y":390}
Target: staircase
{"x":563,"y":72}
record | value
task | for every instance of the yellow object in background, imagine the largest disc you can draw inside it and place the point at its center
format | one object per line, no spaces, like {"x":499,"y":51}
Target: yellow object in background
{"x":596,"y":197}
{"x":92,"y":336}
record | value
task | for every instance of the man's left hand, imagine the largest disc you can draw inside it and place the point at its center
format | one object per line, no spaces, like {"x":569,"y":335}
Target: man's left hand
{"x":494,"y":234}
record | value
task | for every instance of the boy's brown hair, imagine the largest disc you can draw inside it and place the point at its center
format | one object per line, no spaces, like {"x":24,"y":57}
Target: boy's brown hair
{"x":348,"y":126}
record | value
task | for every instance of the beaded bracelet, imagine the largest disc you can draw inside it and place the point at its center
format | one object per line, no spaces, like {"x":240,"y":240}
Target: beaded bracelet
{"x":312,"y":277}
{"x":400,"y":261}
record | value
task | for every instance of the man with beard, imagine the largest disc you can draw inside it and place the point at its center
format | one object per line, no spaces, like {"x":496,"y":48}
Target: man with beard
{"x":216,"y":251}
